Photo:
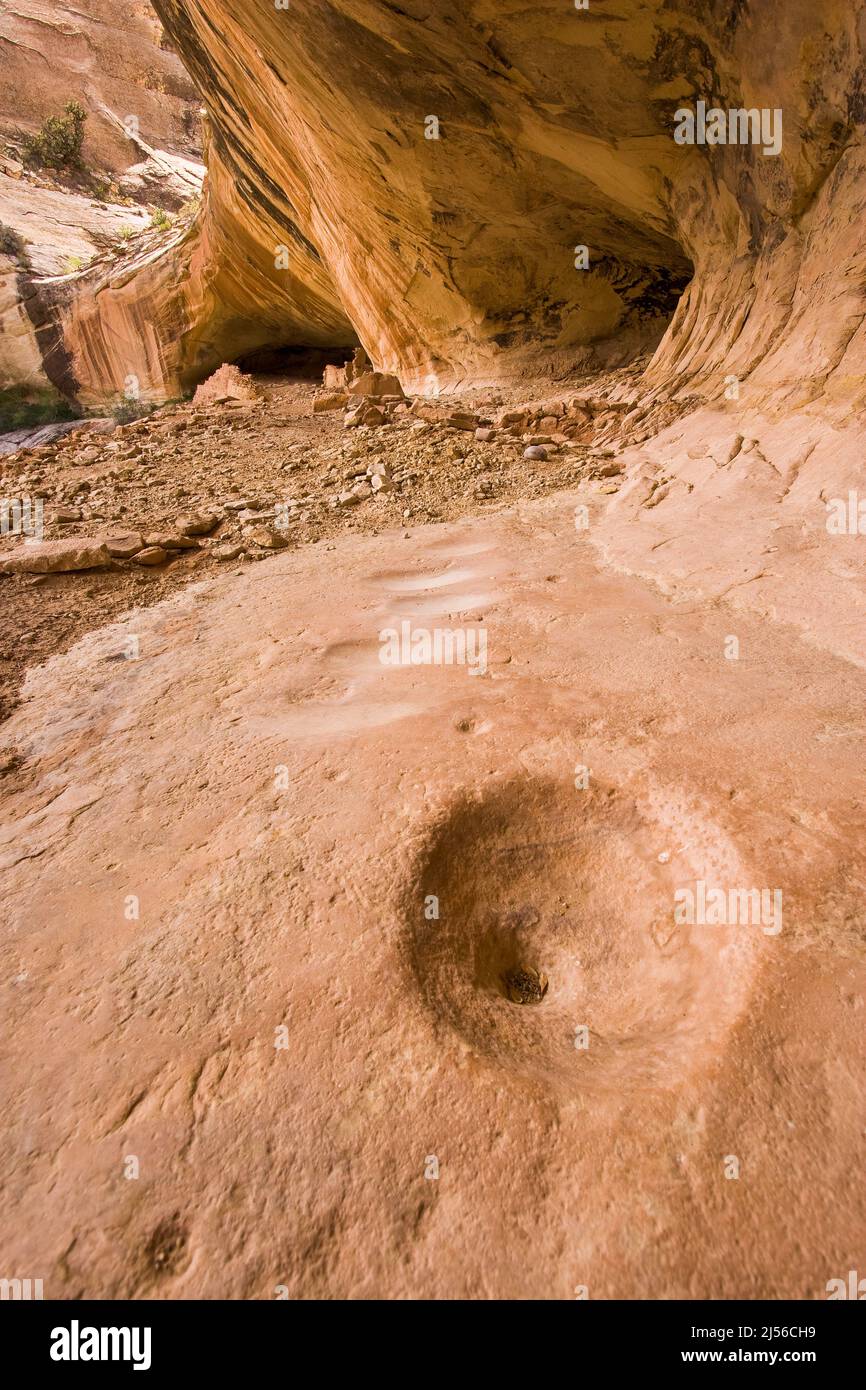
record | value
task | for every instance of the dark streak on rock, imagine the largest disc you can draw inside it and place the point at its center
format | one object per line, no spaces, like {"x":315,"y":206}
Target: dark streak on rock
{"x":56,"y":358}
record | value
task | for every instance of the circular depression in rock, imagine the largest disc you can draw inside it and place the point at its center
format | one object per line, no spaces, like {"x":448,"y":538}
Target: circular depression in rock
{"x":556,"y":954}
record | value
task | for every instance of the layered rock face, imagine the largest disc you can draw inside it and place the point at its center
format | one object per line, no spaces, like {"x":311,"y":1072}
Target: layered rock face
{"x":439,"y":165}
{"x":778,"y":259}
{"x":142,"y":125}
{"x":108,"y":56}
{"x":479,"y":193}
{"x":376,"y":968}
{"x":168,"y":315}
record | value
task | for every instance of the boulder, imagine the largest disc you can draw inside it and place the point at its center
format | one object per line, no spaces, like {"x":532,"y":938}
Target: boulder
{"x":151,"y":555}
{"x":196,"y":523}
{"x":376,"y":384}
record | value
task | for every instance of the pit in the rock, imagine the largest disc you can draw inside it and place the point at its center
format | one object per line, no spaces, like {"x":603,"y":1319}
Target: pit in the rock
{"x":525,"y":985}
{"x":529,"y":878}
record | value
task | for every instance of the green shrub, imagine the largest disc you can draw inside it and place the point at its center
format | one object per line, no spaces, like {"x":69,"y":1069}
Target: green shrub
{"x":58,"y":144}
{"x":127,"y":408}
{"x":21,"y":408}
{"x":160,"y":219}
{"x":11,"y":244}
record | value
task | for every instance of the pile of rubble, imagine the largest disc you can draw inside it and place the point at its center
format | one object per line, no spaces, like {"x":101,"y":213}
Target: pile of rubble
{"x":373,"y":399}
{"x":128,"y":512}
{"x":113,"y":474}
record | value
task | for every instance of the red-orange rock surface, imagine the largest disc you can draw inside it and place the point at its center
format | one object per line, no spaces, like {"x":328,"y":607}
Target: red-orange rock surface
{"x":329,"y":212}
{"x":454,"y":257}
{"x":220,"y":962}
{"x":266,"y":894}
{"x":108,"y":55}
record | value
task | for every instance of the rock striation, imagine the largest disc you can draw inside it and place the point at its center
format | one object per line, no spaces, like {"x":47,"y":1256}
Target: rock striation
{"x":443,"y":167}
{"x":480,"y":195}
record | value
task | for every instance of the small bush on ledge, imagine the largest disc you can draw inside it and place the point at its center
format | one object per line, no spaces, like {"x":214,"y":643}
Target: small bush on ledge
{"x":22,"y":408}
{"x":12,"y":244}
{"x":127,"y":409}
{"x":58,"y":144}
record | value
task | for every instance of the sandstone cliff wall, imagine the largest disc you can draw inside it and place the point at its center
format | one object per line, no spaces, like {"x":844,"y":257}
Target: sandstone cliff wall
{"x":331,"y":212}
{"x":104,"y":54}
{"x":453,"y":257}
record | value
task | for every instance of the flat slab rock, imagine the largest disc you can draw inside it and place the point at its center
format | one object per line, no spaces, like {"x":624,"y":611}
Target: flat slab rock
{"x":35,"y":438}
{"x":294,"y":907}
{"x":55,"y":557}
{"x":123,"y":545}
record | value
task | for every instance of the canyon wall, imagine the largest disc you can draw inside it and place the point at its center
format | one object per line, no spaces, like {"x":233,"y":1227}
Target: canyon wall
{"x":169,"y":314}
{"x":423,"y":177}
{"x":112,"y":58}
{"x":454,"y":257}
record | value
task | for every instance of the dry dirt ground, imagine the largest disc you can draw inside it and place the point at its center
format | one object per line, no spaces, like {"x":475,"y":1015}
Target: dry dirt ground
{"x":140,"y":476}
{"x":266,"y":897}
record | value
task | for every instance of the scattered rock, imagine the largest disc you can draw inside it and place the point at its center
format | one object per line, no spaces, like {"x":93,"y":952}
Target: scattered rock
{"x":151,"y":555}
{"x":266,"y":537}
{"x":365,"y":414}
{"x":376,"y":384}
{"x":85,"y":456}
{"x":257,"y":514}
{"x":196,"y":523}
{"x":535,"y":451}
{"x":333,"y":402}
{"x":123,"y":547}
{"x":510,"y":418}
{"x":334,"y":378}
{"x":167,"y":540}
